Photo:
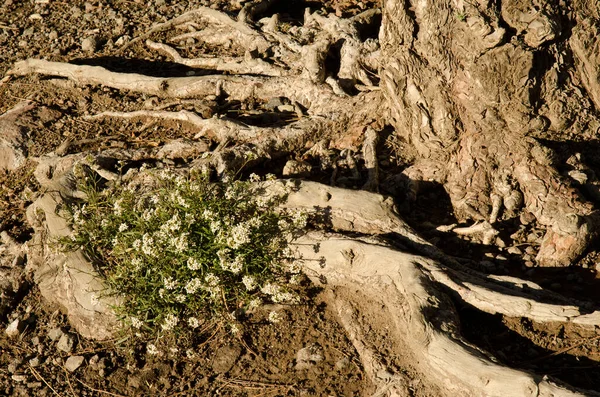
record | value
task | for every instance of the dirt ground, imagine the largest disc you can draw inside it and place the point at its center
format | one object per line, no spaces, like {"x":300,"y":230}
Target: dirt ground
{"x":265,"y":362}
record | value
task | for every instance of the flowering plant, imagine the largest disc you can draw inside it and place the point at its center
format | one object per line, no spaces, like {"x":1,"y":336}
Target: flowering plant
{"x":186,"y":251}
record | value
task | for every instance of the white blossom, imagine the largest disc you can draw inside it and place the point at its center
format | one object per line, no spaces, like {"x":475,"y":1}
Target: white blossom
{"x":117,"y":207}
{"x":193,"y":285}
{"x":193,"y":264}
{"x":212,"y":280}
{"x":170,"y":283}
{"x":274,"y":317}
{"x":152,"y":349}
{"x":249,"y":282}
{"x":136,"y":322}
{"x":148,"y":245}
{"x":254,"y":304}
{"x":123,"y":227}
{"x":193,"y":322}
{"x":254,"y":178}
{"x":170,"y":322}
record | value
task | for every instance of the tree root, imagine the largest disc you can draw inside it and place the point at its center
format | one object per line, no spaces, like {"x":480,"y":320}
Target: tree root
{"x":419,"y":319}
{"x":222,"y":64}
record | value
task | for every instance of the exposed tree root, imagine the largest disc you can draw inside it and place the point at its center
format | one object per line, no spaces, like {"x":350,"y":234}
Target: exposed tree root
{"x":222,"y":64}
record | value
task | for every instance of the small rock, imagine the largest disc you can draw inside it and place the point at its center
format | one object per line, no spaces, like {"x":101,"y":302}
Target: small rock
{"x":530,"y":250}
{"x":14,"y":328}
{"x":308,"y":356}
{"x":514,"y":251}
{"x":500,"y":243}
{"x":122,"y":40}
{"x":526,"y":217}
{"x":73,"y":363}
{"x":19,"y":378}
{"x":34,"y":362}
{"x":14,"y":365}
{"x":34,"y":385}
{"x":89,"y":44}
{"x":343,"y":363}
{"x":529,"y":264}
{"x":225,"y":358}
{"x":55,"y":333}
{"x":36,"y":16}
{"x":501,"y":258}
{"x":66,"y":343}
{"x":296,"y":168}
{"x":53,"y":35}
{"x":35,"y":340}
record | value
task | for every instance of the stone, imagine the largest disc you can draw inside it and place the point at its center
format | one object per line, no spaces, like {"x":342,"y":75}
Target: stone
{"x":514,"y":251}
{"x":90,"y":44}
{"x":297,"y":168}
{"x":35,"y":362}
{"x":35,"y":340}
{"x":55,"y":333}
{"x":225,"y":358}
{"x":66,"y":343}
{"x":15,"y":328}
{"x":308,"y":356}
{"x":73,"y":363}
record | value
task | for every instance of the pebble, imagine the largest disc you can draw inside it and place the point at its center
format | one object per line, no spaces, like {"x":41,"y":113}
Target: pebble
{"x":514,"y":251}
{"x":19,"y":378}
{"x":34,"y":385}
{"x":529,"y":263}
{"x":73,"y":363}
{"x":55,"y":333}
{"x":66,"y":343}
{"x":308,"y":356}
{"x":14,"y":328}
{"x":53,"y":35}
{"x":35,"y":340}
{"x":343,"y":363}
{"x":530,"y":250}
{"x":34,"y":362}
{"x":89,"y":44}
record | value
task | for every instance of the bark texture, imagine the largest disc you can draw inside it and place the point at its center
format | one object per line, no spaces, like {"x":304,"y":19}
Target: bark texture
{"x":471,"y":84}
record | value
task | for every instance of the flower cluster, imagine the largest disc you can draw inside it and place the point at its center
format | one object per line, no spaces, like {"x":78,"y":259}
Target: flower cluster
{"x":186,"y":251}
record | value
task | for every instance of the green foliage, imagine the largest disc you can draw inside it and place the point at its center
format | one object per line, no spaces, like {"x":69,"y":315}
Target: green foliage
{"x":185,"y":252}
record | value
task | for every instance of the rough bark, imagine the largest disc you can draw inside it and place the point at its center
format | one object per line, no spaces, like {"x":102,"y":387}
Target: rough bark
{"x":465,"y":85}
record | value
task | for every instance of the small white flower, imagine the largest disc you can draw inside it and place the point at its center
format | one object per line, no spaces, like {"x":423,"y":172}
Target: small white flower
{"x":180,"y":298}
{"x":249,"y":282}
{"x":193,"y":264}
{"x":94,"y":300}
{"x":189,"y":353}
{"x":254,"y":304}
{"x":136,"y":322}
{"x":170,"y":322}
{"x":148,"y":245}
{"x":274,"y":317}
{"x":174,"y":350}
{"x":193,"y":322}
{"x":212,"y":280}
{"x":296,"y":279}
{"x":104,"y":223}
{"x":117,"y":207}
{"x":254,"y":178}
{"x":152,"y":349}
{"x":193,"y":285}
{"x":161,"y":292}
{"x":170,"y":283}
{"x":137,"y":264}
{"x":234,"y":329}
{"x":123,"y":227}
